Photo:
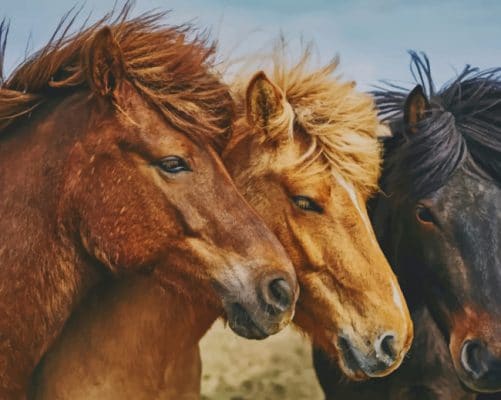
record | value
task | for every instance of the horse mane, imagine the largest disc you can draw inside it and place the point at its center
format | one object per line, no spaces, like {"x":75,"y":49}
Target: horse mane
{"x":174,"y":73}
{"x":463,"y":128}
{"x":341,"y":122}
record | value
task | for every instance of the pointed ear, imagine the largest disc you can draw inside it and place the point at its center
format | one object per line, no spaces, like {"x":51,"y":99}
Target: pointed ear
{"x":415,"y":108}
{"x":104,"y":61}
{"x":264,"y":101}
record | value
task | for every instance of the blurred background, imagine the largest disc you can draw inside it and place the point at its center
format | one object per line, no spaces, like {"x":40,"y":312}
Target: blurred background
{"x":372,"y":38}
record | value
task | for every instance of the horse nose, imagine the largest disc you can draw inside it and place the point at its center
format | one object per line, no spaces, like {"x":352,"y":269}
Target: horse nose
{"x":480,"y":363}
{"x":377,"y":362}
{"x":278,"y":295}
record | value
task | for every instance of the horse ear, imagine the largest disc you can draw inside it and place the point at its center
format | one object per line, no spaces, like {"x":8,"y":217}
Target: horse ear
{"x":415,"y":108}
{"x":104,"y":63}
{"x":264,"y":101}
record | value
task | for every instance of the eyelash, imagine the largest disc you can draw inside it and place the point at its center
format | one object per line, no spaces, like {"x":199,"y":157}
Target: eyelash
{"x":424,"y":215}
{"x":306,"y":203}
{"x":180,"y":165}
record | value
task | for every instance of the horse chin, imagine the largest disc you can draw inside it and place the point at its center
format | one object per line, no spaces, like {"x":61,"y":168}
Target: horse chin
{"x":480,"y":386}
{"x":347,"y":362}
{"x":242,"y":323}
{"x":490,"y":383}
{"x":352,"y":371}
{"x":354,"y":375}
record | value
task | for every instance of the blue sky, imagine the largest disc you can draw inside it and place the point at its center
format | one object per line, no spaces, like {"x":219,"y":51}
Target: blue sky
{"x":372,"y":37}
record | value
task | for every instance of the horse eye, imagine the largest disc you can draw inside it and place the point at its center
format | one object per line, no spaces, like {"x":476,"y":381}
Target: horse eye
{"x":307,"y":204}
{"x":424,"y":215}
{"x":173,"y":164}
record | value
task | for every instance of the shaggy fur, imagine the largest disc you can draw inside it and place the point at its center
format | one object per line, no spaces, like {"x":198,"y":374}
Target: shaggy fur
{"x":162,"y":63}
{"x":340,"y":121}
{"x":464,"y":123}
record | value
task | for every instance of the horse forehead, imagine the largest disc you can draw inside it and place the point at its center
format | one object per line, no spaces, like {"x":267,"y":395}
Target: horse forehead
{"x":168,"y":141}
{"x":283,"y":159}
{"x":470,"y":209}
{"x":138,"y":115}
{"x":287,"y":154}
{"x":356,"y":201}
{"x":466,"y":190}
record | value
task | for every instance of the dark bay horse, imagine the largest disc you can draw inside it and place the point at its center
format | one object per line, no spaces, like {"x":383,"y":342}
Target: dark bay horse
{"x":314,"y":199}
{"x":109,"y":170}
{"x":440,"y":226}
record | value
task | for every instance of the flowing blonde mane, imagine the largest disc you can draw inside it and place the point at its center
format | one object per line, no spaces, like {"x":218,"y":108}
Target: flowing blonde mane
{"x":341,"y":121}
{"x":172,"y":72}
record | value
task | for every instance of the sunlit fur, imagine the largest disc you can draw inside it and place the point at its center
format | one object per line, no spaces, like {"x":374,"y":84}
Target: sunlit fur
{"x":341,"y":122}
{"x":304,"y":131}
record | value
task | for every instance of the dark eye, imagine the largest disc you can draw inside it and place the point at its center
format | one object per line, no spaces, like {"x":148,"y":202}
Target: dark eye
{"x":307,"y":204}
{"x":173,"y":164}
{"x":424,"y":215}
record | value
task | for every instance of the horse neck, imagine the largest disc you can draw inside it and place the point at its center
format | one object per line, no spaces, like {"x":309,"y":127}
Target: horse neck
{"x":141,"y":308}
{"x":41,"y":276}
{"x":132,"y":334}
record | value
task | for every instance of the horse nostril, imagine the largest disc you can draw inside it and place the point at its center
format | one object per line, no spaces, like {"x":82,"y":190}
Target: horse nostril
{"x":385,"y":347}
{"x":280,"y":294}
{"x":472,"y":358}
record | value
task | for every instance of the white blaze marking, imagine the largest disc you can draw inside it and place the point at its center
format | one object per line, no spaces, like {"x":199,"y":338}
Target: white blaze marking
{"x":353,"y":196}
{"x":397,"y":299}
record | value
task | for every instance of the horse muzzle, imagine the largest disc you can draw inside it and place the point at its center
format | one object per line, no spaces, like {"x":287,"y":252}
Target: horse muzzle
{"x":260,"y":310}
{"x":481,"y":368}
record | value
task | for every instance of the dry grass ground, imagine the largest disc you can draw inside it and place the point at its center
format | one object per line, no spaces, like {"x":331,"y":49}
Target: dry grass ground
{"x":238,"y":369}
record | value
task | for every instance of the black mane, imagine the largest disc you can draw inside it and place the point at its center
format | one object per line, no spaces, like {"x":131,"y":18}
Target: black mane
{"x":463,"y":128}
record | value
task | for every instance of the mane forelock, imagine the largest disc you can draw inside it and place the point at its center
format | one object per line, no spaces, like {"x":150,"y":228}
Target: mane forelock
{"x":341,"y":121}
{"x":464,"y":124}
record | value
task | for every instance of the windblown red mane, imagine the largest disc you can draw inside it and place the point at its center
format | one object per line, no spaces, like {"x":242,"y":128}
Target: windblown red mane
{"x":169,"y":69}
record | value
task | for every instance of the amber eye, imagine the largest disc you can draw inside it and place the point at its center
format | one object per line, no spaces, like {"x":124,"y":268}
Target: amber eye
{"x":424,"y":215}
{"x":173,"y":165}
{"x":307,"y":204}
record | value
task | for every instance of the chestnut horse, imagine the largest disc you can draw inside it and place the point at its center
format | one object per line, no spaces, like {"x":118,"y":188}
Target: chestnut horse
{"x":108,"y":170}
{"x":305,"y":154}
{"x":441,"y":229}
